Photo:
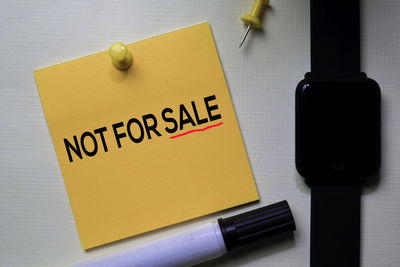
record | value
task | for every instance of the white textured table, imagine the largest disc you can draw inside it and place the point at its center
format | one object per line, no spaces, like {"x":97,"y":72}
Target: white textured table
{"x":36,"y":223}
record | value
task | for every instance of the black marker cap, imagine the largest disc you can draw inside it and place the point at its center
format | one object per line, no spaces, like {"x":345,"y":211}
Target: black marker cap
{"x":254,"y":225}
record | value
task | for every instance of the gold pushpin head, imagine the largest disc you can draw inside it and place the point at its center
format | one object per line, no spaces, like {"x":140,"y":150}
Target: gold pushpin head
{"x":121,"y":58}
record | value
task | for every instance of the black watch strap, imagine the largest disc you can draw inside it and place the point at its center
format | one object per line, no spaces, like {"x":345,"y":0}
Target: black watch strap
{"x":335,"y":38}
{"x":335,"y":225}
{"x":335,"y":210}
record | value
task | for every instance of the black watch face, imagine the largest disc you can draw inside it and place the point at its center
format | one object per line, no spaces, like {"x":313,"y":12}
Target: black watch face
{"x":338,"y":129}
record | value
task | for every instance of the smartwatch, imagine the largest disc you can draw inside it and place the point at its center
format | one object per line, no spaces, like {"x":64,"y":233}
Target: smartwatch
{"x":338,"y":132}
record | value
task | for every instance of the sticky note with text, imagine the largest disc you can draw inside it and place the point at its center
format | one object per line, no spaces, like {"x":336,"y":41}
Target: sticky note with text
{"x":148,"y":147}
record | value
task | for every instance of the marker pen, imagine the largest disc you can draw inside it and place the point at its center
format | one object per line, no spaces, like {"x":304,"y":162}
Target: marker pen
{"x":205,"y":242}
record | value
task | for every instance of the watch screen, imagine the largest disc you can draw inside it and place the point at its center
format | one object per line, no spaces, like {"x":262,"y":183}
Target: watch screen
{"x":338,"y":128}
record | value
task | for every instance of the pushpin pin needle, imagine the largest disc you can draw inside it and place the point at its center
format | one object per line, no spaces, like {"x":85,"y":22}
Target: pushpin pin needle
{"x":253,"y":19}
{"x":244,"y":36}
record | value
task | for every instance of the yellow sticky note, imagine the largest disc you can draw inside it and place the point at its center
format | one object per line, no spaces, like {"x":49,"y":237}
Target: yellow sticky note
{"x":147,"y":147}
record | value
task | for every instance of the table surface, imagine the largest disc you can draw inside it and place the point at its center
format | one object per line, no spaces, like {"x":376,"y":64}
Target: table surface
{"x":36,"y":222}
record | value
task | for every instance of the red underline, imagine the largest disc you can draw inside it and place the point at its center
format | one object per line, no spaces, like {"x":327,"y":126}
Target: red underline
{"x":196,"y":130}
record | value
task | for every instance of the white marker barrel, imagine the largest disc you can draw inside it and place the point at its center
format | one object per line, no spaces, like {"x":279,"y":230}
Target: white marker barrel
{"x":196,"y":245}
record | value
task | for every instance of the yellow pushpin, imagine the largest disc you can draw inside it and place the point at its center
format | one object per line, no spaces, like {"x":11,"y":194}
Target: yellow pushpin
{"x":253,"y":19}
{"x":121,"y":58}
